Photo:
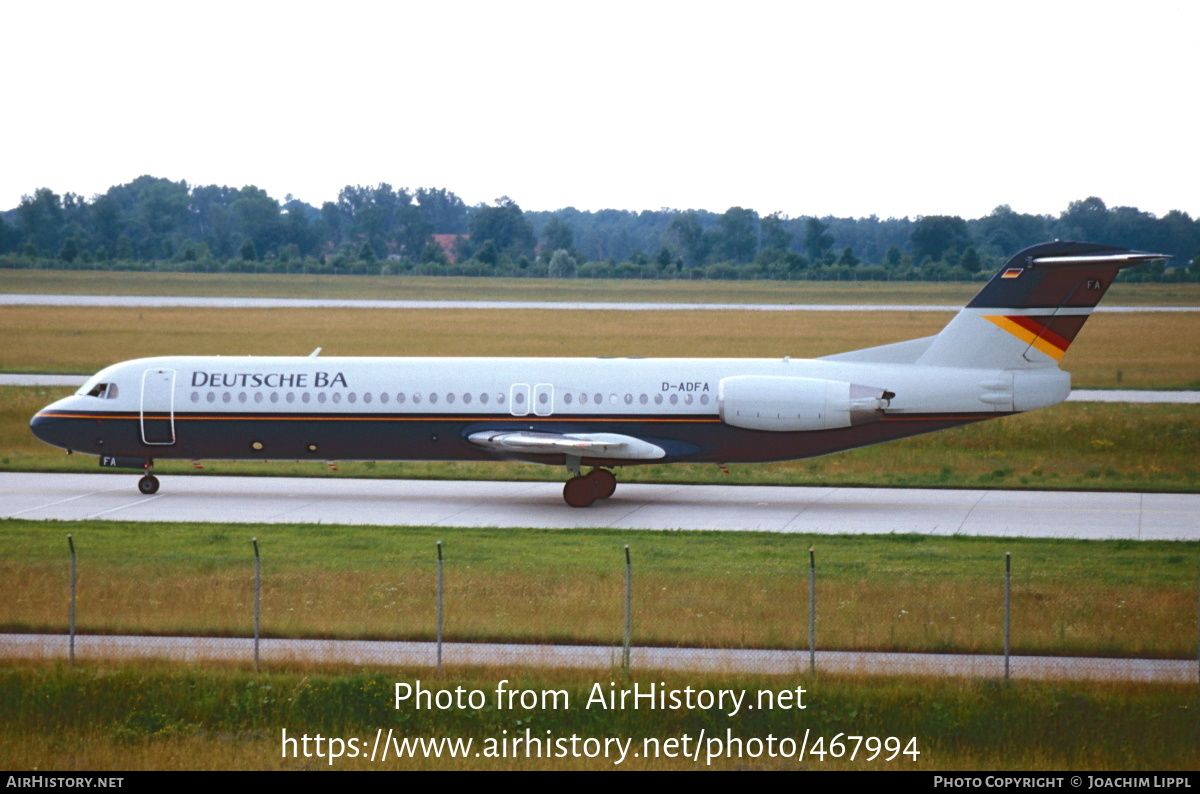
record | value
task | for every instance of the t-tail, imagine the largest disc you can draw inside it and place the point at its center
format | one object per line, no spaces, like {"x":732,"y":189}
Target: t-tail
{"x":1029,"y":313}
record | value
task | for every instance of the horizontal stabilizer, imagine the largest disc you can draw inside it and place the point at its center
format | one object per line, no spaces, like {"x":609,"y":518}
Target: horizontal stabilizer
{"x":580,"y":445}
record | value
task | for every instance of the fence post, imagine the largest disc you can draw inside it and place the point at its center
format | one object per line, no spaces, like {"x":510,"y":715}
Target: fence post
{"x":812,"y":611}
{"x":628,"y":608}
{"x":71,"y":611}
{"x":1198,"y":630}
{"x":1007,"y":610}
{"x":257,"y":598}
{"x":439,"y":610}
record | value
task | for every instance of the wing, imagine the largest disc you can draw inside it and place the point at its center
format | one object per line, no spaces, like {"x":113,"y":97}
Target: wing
{"x":580,"y":445}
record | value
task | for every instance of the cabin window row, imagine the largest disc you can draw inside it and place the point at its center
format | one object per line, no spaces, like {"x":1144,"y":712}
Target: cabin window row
{"x":416,"y":398}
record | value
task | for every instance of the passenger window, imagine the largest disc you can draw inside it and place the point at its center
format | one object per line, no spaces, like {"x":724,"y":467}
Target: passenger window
{"x":383,"y":397}
{"x":519,"y":398}
{"x":542,"y":398}
{"x":291,"y":397}
{"x":599,"y":399}
{"x":500,"y":398}
{"x":674,"y":399}
{"x":629,"y":399}
{"x":337,"y":396}
{"x":367,"y":398}
{"x":321,"y":397}
{"x":400,"y":398}
{"x":467,"y":398}
{"x":416,"y":397}
{"x":450,"y":398}
{"x":226,"y":397}
{"x":242,"y":397}
{"x":643,"y":399}
{"x":258,"y":397}
{"x":195,"y":396}
{"x":433,"y":397}
{"x":211,"y":397}
{"x":274,"y":396}
{"x":583,"y":399}
{"x":352,"y":397}
{"x":704,"y":399}
{"x":305,"y":397}
{"x":483,"y":398}
{"x":567,"y":398}
{"x":658,"y":399}
{"x":687,"y":398}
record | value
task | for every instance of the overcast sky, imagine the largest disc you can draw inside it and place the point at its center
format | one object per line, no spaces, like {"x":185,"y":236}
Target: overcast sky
{"x":849,"y":109}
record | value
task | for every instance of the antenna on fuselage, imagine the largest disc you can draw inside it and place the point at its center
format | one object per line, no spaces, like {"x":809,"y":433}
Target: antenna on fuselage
{"x":315,"y":353}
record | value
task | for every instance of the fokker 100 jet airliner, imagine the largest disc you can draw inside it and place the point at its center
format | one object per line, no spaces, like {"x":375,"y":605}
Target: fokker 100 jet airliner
{"x":997,"y":357}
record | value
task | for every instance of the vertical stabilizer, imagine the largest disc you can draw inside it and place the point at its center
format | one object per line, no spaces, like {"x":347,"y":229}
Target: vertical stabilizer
{"x":1028,"y":314}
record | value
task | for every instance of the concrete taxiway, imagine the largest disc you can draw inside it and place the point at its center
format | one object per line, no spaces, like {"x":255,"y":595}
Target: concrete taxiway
{"x":594,"y":657}
{"x":333,"y":500}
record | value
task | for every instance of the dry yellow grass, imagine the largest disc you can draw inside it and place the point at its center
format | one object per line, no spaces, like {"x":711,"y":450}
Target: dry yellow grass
{"x":297,"y":285}
{"x":1114,"y":350}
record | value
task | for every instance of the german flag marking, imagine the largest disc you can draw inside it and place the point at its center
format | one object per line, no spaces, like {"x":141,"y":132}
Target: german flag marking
{"x":1012,"y":272}
{"x":1033,"y":332}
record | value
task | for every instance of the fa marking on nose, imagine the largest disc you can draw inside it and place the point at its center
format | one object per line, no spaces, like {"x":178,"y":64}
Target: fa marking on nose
{"x":1093,"y":284}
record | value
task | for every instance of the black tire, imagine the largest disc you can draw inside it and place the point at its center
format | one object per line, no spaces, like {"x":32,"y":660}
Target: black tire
{"x":148,"y":484}
{"x":605,"y":482}
{"x":579,"y":492}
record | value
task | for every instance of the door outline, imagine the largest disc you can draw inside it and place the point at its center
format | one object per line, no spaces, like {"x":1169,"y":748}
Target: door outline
{"x":158,"y":396}
{"x":539,"y":390}
{"x":519,"y":407}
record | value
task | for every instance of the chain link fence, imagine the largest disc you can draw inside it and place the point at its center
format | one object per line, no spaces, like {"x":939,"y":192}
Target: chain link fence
{"x":837,"y":616}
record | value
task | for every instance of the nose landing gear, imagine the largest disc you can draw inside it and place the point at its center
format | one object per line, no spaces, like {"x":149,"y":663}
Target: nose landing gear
{"x":148,"y":484}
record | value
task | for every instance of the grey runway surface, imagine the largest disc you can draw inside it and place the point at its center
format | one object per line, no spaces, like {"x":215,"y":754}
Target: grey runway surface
{"x":594,"y":657}
{"x":148,"y":301}
{"x":330,"y":500}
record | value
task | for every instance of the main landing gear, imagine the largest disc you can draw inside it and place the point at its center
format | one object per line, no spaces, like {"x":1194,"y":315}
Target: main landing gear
{"x":584,"y":491}
{"x":148,"y":484}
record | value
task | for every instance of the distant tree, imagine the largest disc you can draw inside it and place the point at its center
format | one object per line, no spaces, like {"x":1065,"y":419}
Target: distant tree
{"x":562,"y":264}
{"x":737,"y":234}
{"x":366,"y":252}
{"x":1005,"y":232}
{"x":558,"y":235}
{"x":249,"y":252}
{"x":504,"y":226}
{"x":664,"y":259}
{"x":775,"y":234}
{"x":487,"y":253}
{"x":848,"y":259}
{"x":1085,"y":220}
{"x":934,"y":235}
{"x":893,"y":257}
{"x":817,"y":240}
{"x":432,"y":254}
{"x":687,"y":229}
{"x":444,"y":210}
{"x":970,"y":260}
{"x":70,"y":249}
{"x":40,"y":218}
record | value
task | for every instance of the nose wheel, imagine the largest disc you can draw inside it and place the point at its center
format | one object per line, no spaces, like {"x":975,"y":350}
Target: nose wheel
{"x":148,"y":484}
{"x":584,"y":491}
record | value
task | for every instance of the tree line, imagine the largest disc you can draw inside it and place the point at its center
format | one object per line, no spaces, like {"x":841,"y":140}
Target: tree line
{"x":154,"y":223}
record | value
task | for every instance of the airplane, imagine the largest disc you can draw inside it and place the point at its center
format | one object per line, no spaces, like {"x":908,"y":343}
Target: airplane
{"x":998,"y":356}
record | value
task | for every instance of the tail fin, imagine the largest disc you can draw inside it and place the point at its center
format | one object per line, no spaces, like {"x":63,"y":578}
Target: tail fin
{"x":1029,"y":313}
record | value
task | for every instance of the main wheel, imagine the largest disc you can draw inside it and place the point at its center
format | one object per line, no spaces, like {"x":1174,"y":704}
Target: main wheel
{"x":605,"y":482}
{"x":580,"y":492}
{"x":148,"y":484}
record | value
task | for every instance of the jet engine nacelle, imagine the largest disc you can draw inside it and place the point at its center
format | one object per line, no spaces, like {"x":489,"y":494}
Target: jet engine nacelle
{"x":788,"y":404}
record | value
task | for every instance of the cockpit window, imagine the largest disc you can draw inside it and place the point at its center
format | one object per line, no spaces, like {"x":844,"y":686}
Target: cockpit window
{"x":104,"y":391}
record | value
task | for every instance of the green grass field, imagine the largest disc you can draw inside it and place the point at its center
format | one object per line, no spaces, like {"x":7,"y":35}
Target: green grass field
{"x":155,"y":717}
{"x":691,"y":589}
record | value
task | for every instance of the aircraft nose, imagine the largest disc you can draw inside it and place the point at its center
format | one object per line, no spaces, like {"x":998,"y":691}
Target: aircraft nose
{"x":49,"y":427}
